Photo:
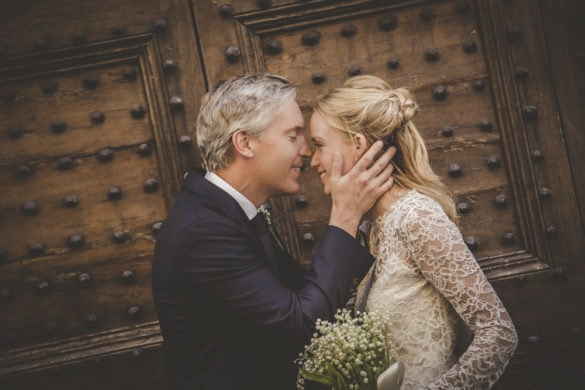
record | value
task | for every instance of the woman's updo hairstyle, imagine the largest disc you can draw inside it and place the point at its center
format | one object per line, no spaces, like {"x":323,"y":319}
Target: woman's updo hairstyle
{"x":367,"y":105}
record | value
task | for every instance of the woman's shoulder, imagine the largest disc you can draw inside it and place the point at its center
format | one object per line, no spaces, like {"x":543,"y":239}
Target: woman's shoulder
{"x":415,"y":203}
{"x":415,"y":210}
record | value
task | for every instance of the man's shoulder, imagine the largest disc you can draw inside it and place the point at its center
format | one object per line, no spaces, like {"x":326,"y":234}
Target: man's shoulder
{"x":191,"y":210}
{"x":203,"y":214}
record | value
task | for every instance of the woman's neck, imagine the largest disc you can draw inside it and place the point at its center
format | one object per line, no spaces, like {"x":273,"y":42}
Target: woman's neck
{"x":386,"y":201}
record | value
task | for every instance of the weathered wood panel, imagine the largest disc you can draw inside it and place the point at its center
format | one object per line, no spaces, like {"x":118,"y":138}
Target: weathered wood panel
{"x":95,"y":140}
{"x":499,"y":120}
{"x":511,"y":115}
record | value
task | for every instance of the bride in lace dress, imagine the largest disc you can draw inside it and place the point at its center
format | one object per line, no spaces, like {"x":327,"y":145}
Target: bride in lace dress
{"x":448,"y":325}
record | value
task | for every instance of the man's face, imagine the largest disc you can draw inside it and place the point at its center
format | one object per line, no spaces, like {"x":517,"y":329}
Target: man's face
{"x":279,"y":153}
{"x":327,"y":140}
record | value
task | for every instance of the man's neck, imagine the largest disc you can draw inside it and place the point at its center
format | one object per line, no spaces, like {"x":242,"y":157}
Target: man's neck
{"x":241,"y":182}
{"x":247,"y":206}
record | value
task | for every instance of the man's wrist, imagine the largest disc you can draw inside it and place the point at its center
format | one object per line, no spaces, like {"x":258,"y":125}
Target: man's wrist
{"x":347,"y":223}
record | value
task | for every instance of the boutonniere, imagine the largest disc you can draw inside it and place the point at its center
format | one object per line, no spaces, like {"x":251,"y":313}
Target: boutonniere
{"x":268,"y":219}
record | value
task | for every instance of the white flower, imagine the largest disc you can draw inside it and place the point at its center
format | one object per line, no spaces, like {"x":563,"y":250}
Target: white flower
{"x":347,"y":354}
{"x":268,"y":219}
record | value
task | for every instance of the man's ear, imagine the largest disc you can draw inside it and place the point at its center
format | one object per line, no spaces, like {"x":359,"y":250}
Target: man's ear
{"x":241,"y":142}
{"x":360,"y":145}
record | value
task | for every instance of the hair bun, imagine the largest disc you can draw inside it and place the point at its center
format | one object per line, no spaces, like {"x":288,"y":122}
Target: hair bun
{"x":407,"y":107}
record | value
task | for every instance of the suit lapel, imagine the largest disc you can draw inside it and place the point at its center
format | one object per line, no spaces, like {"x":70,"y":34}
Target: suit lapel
{"x":224,"y":204}
{"x":216,"y":198}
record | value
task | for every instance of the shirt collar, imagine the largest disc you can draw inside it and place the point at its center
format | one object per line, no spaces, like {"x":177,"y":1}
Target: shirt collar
{"x":244,"y":203}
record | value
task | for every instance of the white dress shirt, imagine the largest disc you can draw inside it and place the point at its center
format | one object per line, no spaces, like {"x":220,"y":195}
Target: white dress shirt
{"x":244,"y":202}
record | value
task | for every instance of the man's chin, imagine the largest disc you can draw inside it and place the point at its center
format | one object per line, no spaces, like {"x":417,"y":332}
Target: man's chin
{"x":289,"y":190}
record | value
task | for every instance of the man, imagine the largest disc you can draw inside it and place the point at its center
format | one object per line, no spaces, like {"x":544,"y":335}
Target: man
{"x":235,"y":311}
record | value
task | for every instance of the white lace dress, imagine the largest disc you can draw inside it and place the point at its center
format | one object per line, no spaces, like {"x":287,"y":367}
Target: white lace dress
{"x":427,"y":281}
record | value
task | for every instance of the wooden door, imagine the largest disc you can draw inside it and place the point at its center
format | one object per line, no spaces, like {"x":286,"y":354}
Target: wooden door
{"x":97,"y":99}
{"x":499,"y":84}
{"x":88,"y":89}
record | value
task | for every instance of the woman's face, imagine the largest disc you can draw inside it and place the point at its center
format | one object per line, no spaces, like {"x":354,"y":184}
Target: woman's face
{"x":327,"y":141}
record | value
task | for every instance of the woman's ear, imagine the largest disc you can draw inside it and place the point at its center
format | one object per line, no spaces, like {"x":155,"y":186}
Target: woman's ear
{"x":360,"y":146}
{"x":242,"y":145}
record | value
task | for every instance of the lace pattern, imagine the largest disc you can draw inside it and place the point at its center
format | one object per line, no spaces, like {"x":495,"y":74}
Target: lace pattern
{"x":432,"y":287}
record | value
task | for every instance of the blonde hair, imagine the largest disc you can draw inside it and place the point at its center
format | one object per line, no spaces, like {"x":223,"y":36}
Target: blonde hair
{"x":249,"y":103}
{"x":367,"y":105}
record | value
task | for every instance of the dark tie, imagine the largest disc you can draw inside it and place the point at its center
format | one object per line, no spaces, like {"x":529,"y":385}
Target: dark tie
{"x":363,"y":290}
{"x":270,"y":246}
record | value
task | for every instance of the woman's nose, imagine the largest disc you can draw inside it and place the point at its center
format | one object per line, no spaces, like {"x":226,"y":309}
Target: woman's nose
{"x":314,"y":160}
{"x":304,"y":150}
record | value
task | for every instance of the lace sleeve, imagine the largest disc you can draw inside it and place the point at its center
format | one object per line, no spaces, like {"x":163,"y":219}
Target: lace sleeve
{"x":444,"y":259}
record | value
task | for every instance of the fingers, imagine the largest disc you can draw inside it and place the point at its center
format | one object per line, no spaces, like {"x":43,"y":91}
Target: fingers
{"x":379,"y":175}
{"x":371,"y":168}
{"x":384,"y":180}
{"x":336,"y":166}
{"x":379,"y":165}
{"x":354,"y":193}
{"x":366,"y":160}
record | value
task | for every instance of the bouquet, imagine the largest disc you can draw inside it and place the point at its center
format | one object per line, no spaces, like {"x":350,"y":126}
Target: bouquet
{"x":348,"y":354}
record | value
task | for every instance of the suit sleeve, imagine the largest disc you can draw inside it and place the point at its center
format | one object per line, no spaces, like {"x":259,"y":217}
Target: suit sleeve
{"x":220,"y":260}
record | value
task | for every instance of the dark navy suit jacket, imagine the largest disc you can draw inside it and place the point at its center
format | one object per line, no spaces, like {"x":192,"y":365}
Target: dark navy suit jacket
{"x":229,"y":319}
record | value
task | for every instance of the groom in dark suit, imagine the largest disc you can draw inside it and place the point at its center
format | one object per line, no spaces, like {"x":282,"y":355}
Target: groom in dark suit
{"x":234,"y":309}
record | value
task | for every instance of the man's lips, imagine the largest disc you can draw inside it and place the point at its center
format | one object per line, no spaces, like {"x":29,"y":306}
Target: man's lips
{"x":300,"y":167}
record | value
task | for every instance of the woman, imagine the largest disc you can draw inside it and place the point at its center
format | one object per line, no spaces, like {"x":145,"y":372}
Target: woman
{"x":425,"y":278}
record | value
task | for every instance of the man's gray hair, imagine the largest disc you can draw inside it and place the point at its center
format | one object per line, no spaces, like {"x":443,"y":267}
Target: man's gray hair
{"x":248,"y":103}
